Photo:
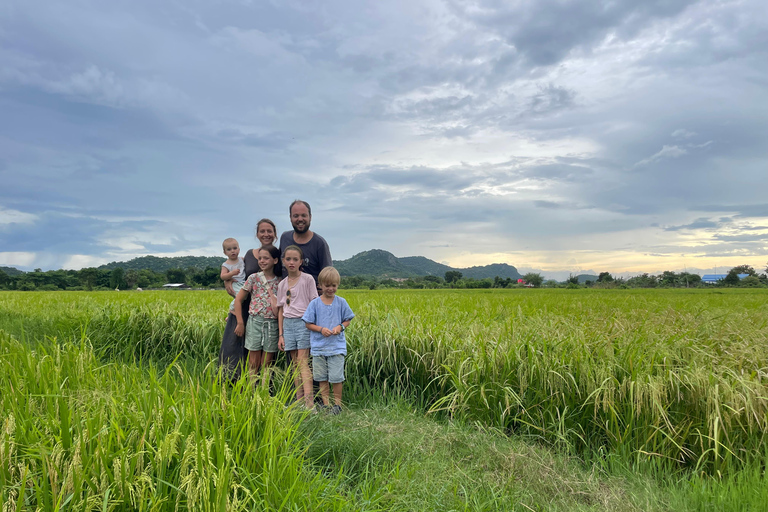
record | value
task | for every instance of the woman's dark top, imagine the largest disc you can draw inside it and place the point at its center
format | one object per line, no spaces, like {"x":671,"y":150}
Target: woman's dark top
{"x":233,"y":354}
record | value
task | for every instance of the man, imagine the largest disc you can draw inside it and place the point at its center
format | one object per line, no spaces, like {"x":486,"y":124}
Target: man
{"x":317,"y":254}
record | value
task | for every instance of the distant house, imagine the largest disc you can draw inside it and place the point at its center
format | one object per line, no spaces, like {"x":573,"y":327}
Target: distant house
{"x":713,"y":278}
{"x":175,"y":286}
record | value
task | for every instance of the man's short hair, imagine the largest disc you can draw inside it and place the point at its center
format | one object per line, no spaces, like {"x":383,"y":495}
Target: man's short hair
{"x":309,"y":208}
{"x":329,"y":275}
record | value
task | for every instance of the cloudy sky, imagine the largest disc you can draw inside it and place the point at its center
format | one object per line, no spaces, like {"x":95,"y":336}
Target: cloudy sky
{"x":558,"y":135}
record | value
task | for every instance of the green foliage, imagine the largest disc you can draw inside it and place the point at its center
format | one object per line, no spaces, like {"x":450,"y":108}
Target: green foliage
{"x":175,"y":275}
{"x":533,"y":279}
{"x":383,"y":264}
{"x":11,"y":271}
{"x":117,"y":278}
{"x":670,"y":381}
{"x":604,"y":277}
{"x":453,"y":276}
{"x":744,"y":269}
{"x":78,"y":434}
{"x":162,"y":264}
{"x":732,"y":279}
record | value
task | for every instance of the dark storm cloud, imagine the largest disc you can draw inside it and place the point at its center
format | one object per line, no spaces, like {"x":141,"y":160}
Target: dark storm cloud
{"x":534,"y":123}
{"x":544,"y":32}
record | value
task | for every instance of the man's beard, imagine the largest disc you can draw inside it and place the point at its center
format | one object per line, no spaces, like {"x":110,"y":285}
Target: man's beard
{"x":301,"y":231}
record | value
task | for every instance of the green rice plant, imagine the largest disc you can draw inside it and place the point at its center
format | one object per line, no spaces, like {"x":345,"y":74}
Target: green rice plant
{"x":77,"y":433}
{"x":671,"y":377}
{"x":679,"y":377}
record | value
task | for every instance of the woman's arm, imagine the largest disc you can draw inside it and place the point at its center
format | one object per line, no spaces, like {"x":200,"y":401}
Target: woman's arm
{"x":241,"y":295}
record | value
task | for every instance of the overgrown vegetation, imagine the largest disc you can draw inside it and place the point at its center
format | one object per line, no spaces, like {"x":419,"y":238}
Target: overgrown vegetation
{"x":672,"y":384}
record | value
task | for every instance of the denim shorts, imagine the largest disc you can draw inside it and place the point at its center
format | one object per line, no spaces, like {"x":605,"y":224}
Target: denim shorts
{"x":328,"y":368}
{"x":261,"y":334}
{"x":295,"y":334}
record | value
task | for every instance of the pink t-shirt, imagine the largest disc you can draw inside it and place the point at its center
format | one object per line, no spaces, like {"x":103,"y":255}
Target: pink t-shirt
{"x":302,"y":294}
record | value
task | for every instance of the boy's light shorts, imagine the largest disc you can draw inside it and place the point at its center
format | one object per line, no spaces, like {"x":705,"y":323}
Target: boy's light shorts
{"x":261,"y":334}
{"x":295,"y":334}
{"x":328,"y":368}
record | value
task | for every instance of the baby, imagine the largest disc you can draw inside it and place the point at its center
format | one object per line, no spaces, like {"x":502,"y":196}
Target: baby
{"x":232,"y":270}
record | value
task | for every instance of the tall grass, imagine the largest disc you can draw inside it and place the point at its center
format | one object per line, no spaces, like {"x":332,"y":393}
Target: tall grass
{"x":79,"y":434}
{"x":667,"y":378}
{"x":662,"y":378}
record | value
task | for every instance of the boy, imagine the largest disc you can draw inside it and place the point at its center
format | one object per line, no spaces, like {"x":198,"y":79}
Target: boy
{"x":327,"y":317}
{"x":232,"y":270}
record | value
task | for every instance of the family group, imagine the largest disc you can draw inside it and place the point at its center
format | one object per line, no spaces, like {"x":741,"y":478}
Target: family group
{"x":285,"y":299}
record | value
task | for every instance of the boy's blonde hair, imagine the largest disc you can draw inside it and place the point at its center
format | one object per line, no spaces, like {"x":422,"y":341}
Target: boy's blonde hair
{"x":226,"y":241}
{"x":329,"y":275}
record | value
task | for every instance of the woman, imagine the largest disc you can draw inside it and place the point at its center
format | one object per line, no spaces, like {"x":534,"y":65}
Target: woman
{"x":233,"y":353}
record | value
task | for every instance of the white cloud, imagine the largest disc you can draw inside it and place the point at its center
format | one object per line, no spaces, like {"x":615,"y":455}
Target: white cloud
{"x":665,"y":153}
{"x":22,"y":259}
{"x":8,"y":216}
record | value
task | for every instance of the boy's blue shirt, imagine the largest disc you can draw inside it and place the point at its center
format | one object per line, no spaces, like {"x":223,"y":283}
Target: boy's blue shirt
{"x":329,"y":316}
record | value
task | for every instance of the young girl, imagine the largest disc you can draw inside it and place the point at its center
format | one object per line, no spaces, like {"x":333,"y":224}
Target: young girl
{"x":261,"y":331}
{"x":294,"y":294}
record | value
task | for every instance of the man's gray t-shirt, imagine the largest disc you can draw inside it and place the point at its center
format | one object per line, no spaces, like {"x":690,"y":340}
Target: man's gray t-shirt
{"x":317,"y":254}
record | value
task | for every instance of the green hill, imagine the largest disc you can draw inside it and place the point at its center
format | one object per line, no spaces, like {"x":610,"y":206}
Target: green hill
{"x":373,"y":263}
{"x":422,"y":266}
{"x":380,"y":263}
{"x":158,"y":264}
{"x":583,"y":278}
{"x":495,"y":269}
{"x":11,"y":271}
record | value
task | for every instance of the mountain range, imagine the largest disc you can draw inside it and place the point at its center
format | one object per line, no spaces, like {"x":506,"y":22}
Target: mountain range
{"x":373,"y":263}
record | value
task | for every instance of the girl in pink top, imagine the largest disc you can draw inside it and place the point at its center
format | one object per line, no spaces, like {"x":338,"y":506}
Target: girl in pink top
{"x":293,"y":296}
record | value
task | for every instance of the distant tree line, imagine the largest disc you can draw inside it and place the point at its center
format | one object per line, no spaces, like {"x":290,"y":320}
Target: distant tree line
{"x":667,"y":279}
{"x":108,"y":279}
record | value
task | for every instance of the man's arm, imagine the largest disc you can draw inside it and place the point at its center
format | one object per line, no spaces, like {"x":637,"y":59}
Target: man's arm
{"x":326,"y":259}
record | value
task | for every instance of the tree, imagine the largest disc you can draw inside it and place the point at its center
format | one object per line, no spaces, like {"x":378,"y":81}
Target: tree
{"x":88,"y":277}
{"x":604,"y":277}
{"x":117,"y":278}
{"x":131,"y":277}
{"x":750,"y":281}
{"x":572,"y":279}
{"x":175,"y":275}
{"x":453,"y":276}
{"x":732,"y":278}
{"x":744,"y":269}
{"x":533,"y":279}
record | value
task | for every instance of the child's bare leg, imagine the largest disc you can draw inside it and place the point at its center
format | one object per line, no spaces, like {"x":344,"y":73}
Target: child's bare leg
{"x":268,"y":358}
{"x":337,"y":387}
{"x":306,"y":376}
{"x":297,"y":375}
{"x":254,"y":362}
{"x":325,"y":392}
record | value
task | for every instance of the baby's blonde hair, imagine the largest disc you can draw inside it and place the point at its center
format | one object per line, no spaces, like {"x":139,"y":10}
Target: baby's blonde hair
{"x":226,"y":241}
{"x":329,"y":275}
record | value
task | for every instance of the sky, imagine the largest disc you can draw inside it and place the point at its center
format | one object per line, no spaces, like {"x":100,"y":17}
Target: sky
{"x":558,"y":136}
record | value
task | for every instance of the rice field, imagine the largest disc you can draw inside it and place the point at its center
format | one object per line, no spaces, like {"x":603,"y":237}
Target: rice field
{"x":673,"y":382}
